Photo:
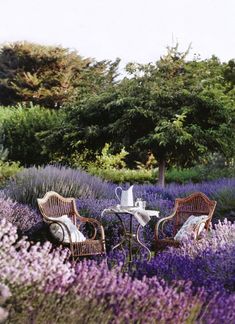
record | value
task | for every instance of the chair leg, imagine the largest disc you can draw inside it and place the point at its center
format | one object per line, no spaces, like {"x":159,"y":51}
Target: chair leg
{"x":156,"y":250}
{"x":74,"y":260}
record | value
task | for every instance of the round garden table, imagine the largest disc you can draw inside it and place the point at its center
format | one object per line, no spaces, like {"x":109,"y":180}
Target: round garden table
{"x":130,"y":235}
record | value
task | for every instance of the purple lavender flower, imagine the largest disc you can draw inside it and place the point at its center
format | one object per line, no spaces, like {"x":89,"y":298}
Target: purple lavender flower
{"x":27,"y":220}
{"x":32,"y":183}
{"x":208,"y":263}
{"x":46,"y":286}
{"x":4,"y":295}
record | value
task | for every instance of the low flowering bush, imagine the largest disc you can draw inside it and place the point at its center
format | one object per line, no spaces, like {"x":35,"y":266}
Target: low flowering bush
{"x":225,"y":203}
{"x":192,"y":284}
{"x":173,"y":190}
{"x":4,"y":295}
{"x":22,"y":263}
{"x":221,"y":190}
{"x":208,"y":262}
{"x":138,"y":301}
{"x":46,"y":288}
{"x":90,"y":207}
{"x":94,"y":195}
{"x":26,"y":219}
{"x":33,"y":183}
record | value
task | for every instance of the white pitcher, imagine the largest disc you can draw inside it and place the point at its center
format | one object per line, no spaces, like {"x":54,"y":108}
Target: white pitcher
{"x":126,"y":198}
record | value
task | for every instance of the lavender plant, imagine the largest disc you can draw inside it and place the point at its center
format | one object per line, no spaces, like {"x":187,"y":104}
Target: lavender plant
{"x":33,"y":183}
{"x":26,"y":219}
{"x":94,"y":195}
{"x":172,"y":191}
{"x":4,"y":295}
{"x":208,"y":263}
{"x":46,"y":288}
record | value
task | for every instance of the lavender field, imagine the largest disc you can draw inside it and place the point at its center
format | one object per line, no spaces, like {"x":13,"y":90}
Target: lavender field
{"x":38,"y":284}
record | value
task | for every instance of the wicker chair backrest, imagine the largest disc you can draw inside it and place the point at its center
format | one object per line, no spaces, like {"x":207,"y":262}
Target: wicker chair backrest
{"x":196,"y":204}
{"x":54,"y":205}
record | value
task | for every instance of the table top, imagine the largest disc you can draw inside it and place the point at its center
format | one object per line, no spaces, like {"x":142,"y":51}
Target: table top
{"x":142,"y":215}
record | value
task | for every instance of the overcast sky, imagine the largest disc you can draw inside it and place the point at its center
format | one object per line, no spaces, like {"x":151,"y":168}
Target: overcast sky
{"x":134,"y":30}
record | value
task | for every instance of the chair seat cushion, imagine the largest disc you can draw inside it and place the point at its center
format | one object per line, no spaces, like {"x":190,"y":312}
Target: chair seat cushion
{"x":192,"y":227}
{"x":62,"y":234}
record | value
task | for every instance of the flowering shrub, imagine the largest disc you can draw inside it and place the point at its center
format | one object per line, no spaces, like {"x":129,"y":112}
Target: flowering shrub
{"x":25,"y":218}
{"x":212,"y":189}
{"x":47,"y":289}
{"x":225,"y":203}
{"x":94,"y":194}
{"x":43,"y":265}
{"x":4,"y":295}
{"x":209,"y":262}
{"x":33,"y":183}
{"x":192,"y":284}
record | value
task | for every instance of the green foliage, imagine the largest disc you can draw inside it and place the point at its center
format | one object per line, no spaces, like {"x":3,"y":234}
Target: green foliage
{"x":107,"y":160}
{"x":198,"y":173}
{"x":7,"y":170}
{"x":183,"y":175}
{"x":125,"y":175}
{"x":214,"y":167}
{"x":195,"y":174}
{"x":21,"y":129}
{"x":47,"y":75}
{"x":229,"y":74}
{"x":5,"y":113}
{"x":3,"y":153}
{"x":177,"y":109}
{"x":112,"y":167}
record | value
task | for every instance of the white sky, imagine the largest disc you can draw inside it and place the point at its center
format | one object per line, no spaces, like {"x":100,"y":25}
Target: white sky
{"x":134,"y":30}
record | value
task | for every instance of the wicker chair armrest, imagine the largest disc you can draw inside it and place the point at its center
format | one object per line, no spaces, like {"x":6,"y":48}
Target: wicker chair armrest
{"x":96,"y":225}
{"x":161,"y":223}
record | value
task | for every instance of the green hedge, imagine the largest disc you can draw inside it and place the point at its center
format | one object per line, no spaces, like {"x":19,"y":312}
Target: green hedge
{"x":199,"y":173}
{"x":21,"y":127}
{"x":7,"y":170}
{"x":195,"y":175}
{"x":125,"y":175}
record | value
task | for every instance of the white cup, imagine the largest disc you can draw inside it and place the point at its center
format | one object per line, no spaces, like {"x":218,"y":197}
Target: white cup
{"x":140,"y":203}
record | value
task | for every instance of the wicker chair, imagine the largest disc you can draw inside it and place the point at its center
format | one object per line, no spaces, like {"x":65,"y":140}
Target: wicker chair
{"x":196,"y":204}
{"x":54,"y":205}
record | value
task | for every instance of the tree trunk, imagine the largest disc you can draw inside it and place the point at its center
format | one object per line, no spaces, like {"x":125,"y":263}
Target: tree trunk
{"x":161,"y":173}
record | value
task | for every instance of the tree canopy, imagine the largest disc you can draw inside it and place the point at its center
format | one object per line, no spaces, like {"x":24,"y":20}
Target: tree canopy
{"x":48,"y":75}
{"x":179,"y":110}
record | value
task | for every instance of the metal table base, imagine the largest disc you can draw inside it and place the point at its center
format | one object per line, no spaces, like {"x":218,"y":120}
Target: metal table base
{"x":130,"y":237}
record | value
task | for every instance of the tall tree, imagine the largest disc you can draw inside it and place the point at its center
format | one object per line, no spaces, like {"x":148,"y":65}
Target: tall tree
{"x":177,"y":109}
{"x":48,"y":75}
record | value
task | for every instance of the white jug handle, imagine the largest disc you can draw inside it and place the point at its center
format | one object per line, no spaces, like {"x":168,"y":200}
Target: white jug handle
{"x":116,"y":189}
